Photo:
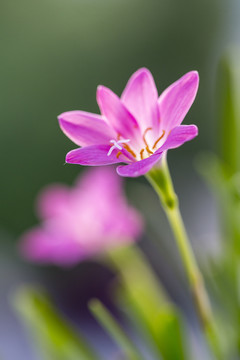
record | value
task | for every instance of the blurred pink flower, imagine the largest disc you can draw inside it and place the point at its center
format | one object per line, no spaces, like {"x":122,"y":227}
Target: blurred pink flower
{"x":81,"y":221}
{"x":135,"y":129}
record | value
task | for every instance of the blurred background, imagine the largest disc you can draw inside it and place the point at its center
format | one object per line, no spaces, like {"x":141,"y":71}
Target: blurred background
{"x":54,"y":53}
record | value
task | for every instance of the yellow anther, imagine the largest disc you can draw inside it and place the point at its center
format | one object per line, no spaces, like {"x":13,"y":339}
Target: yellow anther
{"x":157,"y":141}
{"x":127,"y":147}
{"x":145,"y":141}
{"x":148,"y":150}
{"x":144,"y":135}
{"x":141,"y":154}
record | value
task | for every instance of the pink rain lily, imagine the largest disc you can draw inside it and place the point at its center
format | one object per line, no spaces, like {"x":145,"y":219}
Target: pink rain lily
{"x":81,"y":221}
{"x":136,"y":129}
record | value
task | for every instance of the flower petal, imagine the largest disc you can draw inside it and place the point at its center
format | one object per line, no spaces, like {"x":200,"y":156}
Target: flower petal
{"x":84,"y":128}
{"x":178,"y":136}
{"x":177,"y":99}
{"x":52,"y":201}
{"x":116,"y":114}
{"x":140,"y":97}
{"x":43,"y":246}
{"x":139,"y":168}
{"x":94,"y":155}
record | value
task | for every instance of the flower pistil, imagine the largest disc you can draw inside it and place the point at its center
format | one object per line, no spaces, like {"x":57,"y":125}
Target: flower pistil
{"x":116,"y":145}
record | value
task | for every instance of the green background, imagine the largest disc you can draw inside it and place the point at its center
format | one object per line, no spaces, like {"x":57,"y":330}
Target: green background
{"x":54,"y":53}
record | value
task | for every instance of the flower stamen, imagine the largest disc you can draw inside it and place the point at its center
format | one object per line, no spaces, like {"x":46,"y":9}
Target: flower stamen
{"x":145,"y":141}
{"x":118,"y":154}
{"x":149,"y":151}
{"x":157,"y":141}
{"x":127,"y":147}
{"x":144,"y":135}
{"x":141,"y":154}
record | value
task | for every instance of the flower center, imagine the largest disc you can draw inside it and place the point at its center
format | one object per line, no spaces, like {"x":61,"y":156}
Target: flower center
{"x":144,"y":153}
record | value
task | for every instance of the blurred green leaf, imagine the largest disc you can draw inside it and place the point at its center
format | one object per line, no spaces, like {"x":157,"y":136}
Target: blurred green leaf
{"x":226,"y":187}
{"x":104,"y":317}
{"x":222,"y":271}
{"x":220,"y":274}
{"x":151,"y":310}
{"x":57,"y":340}
{"x":223,"y":174}
{"x":228,"y":110}
{"x":169,"y":328}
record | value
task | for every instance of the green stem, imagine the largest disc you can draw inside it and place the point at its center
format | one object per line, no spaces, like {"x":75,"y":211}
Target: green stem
{"x":113,"y":328}
{"x":160,"y":179}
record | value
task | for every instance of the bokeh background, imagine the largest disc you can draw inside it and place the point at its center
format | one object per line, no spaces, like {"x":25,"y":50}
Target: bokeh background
{"x":54,"y":53}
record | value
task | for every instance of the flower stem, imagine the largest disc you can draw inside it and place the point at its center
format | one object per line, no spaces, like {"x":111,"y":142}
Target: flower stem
{"x":160,"y":179}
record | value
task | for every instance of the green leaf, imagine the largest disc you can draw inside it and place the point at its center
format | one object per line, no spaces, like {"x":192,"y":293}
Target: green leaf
{"x":170,"y":334}
{"x":226,"y":187}
{"x":152,"y":312}
{"x":113,"y":328}
{"x":222,"y":271}
{"x":57,"y":340}
{"x":228,"y":110}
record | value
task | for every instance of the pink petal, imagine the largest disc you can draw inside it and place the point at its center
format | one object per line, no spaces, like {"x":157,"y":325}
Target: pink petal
{"x":94,"y":155}
{"x":139,"y":168}
{"x":178,"y":136}
{"x":101,"y":180}
{"x":85,"y":128}
{"x":116,"y":114}
{"x":140,"y":97}
{"x":42,"y":246}
{"x":52,"y":201}
{"x":177,"y":99}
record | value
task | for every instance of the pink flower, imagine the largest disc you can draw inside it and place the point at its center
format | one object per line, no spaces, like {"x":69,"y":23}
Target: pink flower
{"x":82,"y":221}
{"x":136,"y":129}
